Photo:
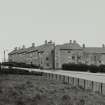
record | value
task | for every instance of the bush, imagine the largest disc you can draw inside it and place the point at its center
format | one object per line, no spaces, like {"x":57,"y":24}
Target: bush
{"x":102,"y":68}
{"x":93,"y":68}
{"x":14,"y":71}
{"x":75,"y":67}
{"x":84,"y":67}
{"x":23,"y":65}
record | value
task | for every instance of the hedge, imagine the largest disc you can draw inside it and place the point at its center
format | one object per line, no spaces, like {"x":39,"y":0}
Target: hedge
{"x":102,"y":68}
{"x":93,"y":68}
{"x":18,"y":71}
{"x":84,"y":67}
{"x":75,"y":67}
{"x":23,"y":65}
{"x":13,"y":71}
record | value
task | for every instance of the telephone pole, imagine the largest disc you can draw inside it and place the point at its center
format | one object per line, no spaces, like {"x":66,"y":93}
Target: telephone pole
{"x":4,"y":56}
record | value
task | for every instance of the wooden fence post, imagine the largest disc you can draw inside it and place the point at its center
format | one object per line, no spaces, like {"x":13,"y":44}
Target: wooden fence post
{"x":101,"y":88}
{"x":84,"y":83}
{"x":78,"y":82}
{"x":92,"y":85}
{"x":56,"y":76}
{"x":68,"y":79}
{"x":63,"y":78}
{"x":60,"y":77}
{"x":73,"y":80}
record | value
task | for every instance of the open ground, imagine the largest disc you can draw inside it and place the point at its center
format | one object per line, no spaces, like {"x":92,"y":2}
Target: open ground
{"x":37,"y":90}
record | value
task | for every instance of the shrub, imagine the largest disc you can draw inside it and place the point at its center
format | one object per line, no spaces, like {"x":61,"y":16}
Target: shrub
{"x":14,"y":71}
{"x":102,"y":68}
{"x":84,"y":67}
{"x":75,"y":67}
{"x":93,"y":68}
{"x":23,"y":65}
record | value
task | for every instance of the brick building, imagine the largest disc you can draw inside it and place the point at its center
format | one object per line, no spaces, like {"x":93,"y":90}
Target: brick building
{"x":51,"y":56}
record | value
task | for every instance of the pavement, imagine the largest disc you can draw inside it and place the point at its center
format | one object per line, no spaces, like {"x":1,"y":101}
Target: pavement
{"x":96,"y":77}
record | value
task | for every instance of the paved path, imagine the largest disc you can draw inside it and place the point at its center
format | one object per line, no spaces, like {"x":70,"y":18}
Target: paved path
{"x":97,"y":77}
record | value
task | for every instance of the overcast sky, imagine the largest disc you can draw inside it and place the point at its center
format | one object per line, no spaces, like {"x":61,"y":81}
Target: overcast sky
{"x":27,"y":21}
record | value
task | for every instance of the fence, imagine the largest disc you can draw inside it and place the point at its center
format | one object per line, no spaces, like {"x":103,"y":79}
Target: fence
{"x":90,"y":84}
{"x":78,"y":82}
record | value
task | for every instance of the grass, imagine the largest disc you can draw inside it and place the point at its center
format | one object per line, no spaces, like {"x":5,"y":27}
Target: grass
{"x":37,"y":90}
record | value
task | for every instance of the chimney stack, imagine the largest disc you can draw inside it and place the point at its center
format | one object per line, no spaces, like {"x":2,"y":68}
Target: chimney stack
{"x":70,"y":41}
{"x":23,"y":47}
{"x":15,"y":48}
{"x":33,"y":44}
{"x":74,"y":41}
{"x":83,"y":45}
{"x":45,"y":41}
{"x":50,"y":42}
{"x":103,"y":45}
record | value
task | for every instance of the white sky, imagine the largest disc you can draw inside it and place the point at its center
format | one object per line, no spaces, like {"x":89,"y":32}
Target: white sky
{"x":27,"y":21}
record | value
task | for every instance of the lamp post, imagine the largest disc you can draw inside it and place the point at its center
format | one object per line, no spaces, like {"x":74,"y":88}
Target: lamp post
{"x":5,"y":54}
{"x":54,"y":57}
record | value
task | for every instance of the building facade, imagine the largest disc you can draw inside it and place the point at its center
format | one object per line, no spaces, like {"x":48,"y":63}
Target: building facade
{"x":51,"y":56}
{"x":37,"y":55}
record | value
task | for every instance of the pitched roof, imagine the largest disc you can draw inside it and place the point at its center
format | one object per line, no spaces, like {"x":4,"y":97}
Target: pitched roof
{"x":44,"y":47}
{"x":73,"y":46}
{"x":30,"y":49}
{"x":40,"y":48}
{"x":94,"y":50}
{"x":17,"y":51}
{"x":12,"y":52}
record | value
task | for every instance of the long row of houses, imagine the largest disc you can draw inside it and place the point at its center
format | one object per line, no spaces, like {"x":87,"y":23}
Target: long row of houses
{"x":51,"y":56}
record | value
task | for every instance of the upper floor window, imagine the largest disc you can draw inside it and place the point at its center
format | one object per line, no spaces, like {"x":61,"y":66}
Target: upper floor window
{"x":69,"y":51}
{"x":95,"y":58}
{"x":73,"y":57}
{"x":78,"y":57}
{"x":100,"y":61}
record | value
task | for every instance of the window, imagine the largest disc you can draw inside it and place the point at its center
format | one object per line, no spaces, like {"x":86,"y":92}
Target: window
{"x":100,"y":61}
{"x":57,"y":64}
{"x":41,"y":61}
{"x":47,"y":64}
{"x":69,"y":51}
{"x":78,"y":57}
{"x":73,"y":57}
{"x":47,"y":58}
{"x":95,"y":58}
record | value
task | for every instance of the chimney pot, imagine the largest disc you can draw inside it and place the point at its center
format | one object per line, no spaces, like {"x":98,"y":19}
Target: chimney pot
{"x":70,"y":41}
